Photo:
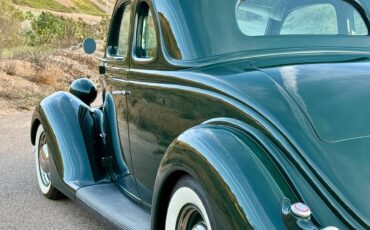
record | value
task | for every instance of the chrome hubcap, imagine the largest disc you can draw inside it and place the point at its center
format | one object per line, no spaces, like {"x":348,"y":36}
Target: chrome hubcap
{"x":44,"y":161}
{"x":190,"y":218}
{"x":200,"y":226}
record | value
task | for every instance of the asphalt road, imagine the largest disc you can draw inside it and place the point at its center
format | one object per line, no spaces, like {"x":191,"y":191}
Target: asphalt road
{"x":22,"y":206}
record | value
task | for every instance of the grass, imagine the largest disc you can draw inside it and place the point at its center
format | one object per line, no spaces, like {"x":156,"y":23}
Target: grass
{"x":80,"y":6}
{"x":103,"y":2}
{"x":10,"y":22}
{"x":44,"y":4}
{"x":23,"y":51}
{"x":85,"y":6}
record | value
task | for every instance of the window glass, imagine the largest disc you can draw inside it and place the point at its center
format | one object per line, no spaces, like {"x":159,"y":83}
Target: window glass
{"x":123,"y":39}
{"x":291,"y":17}
{"x":203,"y":29}
{"x":305,"y":20}
{"x":146,"y":40}
{"x":360,"y":26}
{"x":252,"y":23}
{"x":253,"y":16}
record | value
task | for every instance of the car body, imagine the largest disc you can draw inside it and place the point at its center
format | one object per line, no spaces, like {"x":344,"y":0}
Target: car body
{"x":262,"y":103}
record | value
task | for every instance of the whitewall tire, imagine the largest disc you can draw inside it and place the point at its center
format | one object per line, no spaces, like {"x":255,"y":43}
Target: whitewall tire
{"x":42,"y":159}
{"x":186,"y":209}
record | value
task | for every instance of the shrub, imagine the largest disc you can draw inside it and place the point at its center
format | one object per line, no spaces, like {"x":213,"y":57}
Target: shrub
{"x":60,"y":31}
{"x":63,"y":32}
{"x":38,"y":60}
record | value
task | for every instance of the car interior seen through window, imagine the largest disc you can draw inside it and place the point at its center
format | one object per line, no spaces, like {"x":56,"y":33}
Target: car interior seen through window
{"x":123,"y":38}
{"x":287,"y":17}
{"x":146,"y":41}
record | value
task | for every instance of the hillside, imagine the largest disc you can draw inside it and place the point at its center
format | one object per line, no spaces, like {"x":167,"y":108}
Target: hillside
{"x":41,"y":52}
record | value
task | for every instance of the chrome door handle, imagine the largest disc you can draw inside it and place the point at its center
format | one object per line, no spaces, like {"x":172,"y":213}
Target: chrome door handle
{"x":122,"y":92}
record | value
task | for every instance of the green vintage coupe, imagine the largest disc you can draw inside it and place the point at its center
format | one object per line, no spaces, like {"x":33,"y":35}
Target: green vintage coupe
{"x":218,"y":114}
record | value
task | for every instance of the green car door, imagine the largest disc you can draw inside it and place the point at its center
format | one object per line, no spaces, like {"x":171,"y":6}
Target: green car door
{"x":163,"y":102}
{"x":117,"y":69}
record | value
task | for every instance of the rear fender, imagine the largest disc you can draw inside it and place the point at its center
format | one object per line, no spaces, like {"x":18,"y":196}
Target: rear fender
{"x":243,"y":184}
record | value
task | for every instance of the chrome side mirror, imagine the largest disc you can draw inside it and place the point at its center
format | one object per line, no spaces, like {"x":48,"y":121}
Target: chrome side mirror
{"x":89,"y":45}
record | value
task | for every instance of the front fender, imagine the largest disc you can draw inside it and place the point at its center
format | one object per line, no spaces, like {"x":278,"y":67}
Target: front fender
{"x":65,"y":120}
{"x":243,"y":184}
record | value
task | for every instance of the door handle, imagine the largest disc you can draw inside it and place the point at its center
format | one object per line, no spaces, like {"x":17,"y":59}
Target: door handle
{"x":121,"y":92}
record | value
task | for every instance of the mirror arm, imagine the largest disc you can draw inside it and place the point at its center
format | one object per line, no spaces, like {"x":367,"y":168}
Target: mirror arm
{"x":104,"y":60}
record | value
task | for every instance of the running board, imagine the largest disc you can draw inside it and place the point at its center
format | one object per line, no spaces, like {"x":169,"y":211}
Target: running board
{"x":113,"y":207}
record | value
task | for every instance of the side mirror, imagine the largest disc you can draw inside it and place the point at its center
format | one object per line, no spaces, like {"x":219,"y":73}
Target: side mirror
{"x":89,"y":45}
{"x":84,"y":89}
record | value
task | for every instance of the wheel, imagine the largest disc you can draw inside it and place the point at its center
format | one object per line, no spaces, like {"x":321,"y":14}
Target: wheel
{"x":188,"y":207}
{"x":43,"y":167}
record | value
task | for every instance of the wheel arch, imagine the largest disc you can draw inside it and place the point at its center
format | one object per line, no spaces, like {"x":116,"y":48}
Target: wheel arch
{"x":163,"y":197}
{"x":218,"y":151}
{"x":34,"y":126}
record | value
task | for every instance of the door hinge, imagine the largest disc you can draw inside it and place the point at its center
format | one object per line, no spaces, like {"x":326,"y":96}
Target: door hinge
{"x":107,"y":162}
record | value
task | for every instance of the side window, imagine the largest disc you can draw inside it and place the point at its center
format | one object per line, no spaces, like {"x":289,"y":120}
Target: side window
{"x":146,"y":40}
{"x":359,"y":27}
{"x":297,"y":17}
{"x":253,"y":16}
{"x":305,"y":20}
{"x":124,"y":32}
{"x":252,"y":23}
